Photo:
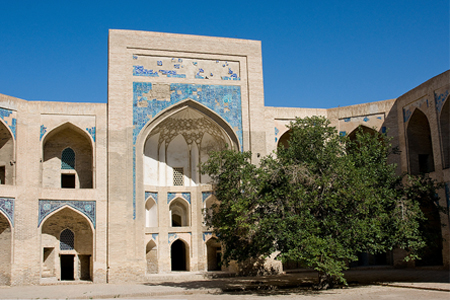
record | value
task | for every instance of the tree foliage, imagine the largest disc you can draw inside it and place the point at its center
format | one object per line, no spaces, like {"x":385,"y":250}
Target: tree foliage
{"x":320,"y":201}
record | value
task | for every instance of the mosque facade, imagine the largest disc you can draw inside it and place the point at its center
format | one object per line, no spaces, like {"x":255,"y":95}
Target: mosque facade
{"x":114,"y":192}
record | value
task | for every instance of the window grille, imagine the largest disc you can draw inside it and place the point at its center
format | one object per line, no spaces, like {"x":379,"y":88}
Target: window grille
{"x":66,"y":240}
{"x":178,"y":178}
{"x":68,"y":159}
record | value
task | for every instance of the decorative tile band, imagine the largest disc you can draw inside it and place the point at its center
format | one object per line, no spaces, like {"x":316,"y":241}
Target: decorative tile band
{"x":154,"y":195}
{"x":172,"y":237}
{"x":91,"y":132}
{"x":155,"y":237}
{"x":87,"y":208}
{"x":185,"y":196}
{"x":342,"y":133}
{"x":6,"y":115}
{"x":440,"y":99}
{"x":42,"y":132}
{"x":207,"y":236}
{"x":423,"y":104}
{"x":7,"y":207}
{"x":205,"y":195}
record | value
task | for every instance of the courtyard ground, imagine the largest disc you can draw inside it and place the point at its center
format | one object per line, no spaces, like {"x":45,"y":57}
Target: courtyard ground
{"x":363,"y":284}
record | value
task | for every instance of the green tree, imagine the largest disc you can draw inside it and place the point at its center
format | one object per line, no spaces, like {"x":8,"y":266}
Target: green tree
{"x":320,"y":201}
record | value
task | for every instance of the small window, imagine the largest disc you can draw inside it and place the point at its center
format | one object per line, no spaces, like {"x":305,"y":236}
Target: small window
{"x":68,"y":181}
{"x":178,"y":178}
{"x":2,"y":175}
{"x":68,"y":159}
{"x":66,"y":240}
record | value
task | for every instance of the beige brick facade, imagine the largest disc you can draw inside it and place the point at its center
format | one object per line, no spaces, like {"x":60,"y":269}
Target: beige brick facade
{"x":113,"y":192}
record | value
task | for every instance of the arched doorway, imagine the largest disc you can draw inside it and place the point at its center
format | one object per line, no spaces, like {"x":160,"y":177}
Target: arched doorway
{"x":151,"y":255}
{"x":6,"y":155}
{"x":420,"y":148}
{"x":444,"y":122}
{"x":179,"y":256}
{"x":5,"y":250}
{"x":67,"y":246}
{"x":213,"y":254}
{"x":67,"y":158}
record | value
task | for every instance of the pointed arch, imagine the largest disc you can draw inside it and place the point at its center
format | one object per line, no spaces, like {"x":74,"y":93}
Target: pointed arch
{"x":151,"y":255}
{"x":363,"y":128}
{"x":7,"y":154}
{"x":179,"y":210}
{"x":420,"y":148}
{"x":67,"y":206}
{"x":283,"y":142}
{"x":179,"y":255}
{"x":213,"y":254}
{"x":444,"y":125}
{"x":151,"y":212}
{"x":5,"y":249}
{"x":55,"y":173}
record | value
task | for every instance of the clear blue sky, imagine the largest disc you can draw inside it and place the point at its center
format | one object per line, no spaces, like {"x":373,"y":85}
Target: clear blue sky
{"x":315,"y":53}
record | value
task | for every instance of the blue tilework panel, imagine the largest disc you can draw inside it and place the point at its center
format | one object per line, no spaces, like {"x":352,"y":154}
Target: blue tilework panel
{"x":206,"y":235}
{"x":46,"y":207}
{"x":42,"y":132}
{"x":342,"y":133}
{"x":440,"y":99}
{"x":7,"y":207}
{"x":224,"y":100}
{"x":91,"y":132}
{"x":154,"y":195}
{"x":186,"y":196}
{"x":205,"y":195}
{"x":172,"y":237}
{"x":5,"y":114}
{"x":155,"y":236}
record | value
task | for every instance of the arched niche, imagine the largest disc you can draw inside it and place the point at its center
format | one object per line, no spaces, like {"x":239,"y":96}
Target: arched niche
{"x":177,"y":142}
{"x":213,"y":254}
{"x":283,"y":142}
{"x":5,"y":250}
{"x":151,"y":256}
{"x":209,"y":206}
{"x":61,"y":258}
{"x":444,"y":122}
{"x":179,"y":255}
{"x":6,"y":155}
{"x":363,"y":129}
{"x":179,"y":213}
{"x":57,"y":144}
{"x":151,"y":213}
{"x":420,"y":148}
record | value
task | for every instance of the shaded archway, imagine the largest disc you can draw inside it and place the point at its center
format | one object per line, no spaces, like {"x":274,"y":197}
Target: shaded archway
{"x":420,"y":148}
{"x":213,"y":254}
{"x":431,"y":255}
{"x":67,"y":246}
{"x":179,"y":256}
{"x":283,"y":142}
{"x":67,"y":158}
{"x":361,"y":128}
{"x":179,"y":213}
{"x":151,"y":256}
{"x":5,"y":250}
{"x":151,"y":213}
{"x":6,"y":155}
{"x":444,"y":122}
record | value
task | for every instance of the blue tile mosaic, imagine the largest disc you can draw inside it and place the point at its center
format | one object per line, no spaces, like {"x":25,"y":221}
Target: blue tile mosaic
{"x":154,"y":236}
{"x":91,"y":132}
{"x":205,"y":195}
{"x":42,"y":132}
{"x":342,"y":133}
{"x":140,"y":71}
{"x":154,"y":195}
{"x":225,"y":100}
{"x":206,"y":234}
{"x":172,"y":237}
{"x":366,"y":119}
{"x":383,"y":129}
{"x":347,"y":119}
{"x":7,"y":207}
{"x":5,"y":114}
{"x":186,"y":196}
{"x":440,"y":99}
{"x":87,"y":208}
{"x":276,"y":131}
{"x":406,"y":115}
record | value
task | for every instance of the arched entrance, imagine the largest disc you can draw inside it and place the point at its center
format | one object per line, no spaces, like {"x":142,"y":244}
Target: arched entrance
{"x":283,"y":142}
{"x":5,"y":250}
{"x":213,"y":254}
{"x":363,"y":129}
{"x":420,"y":148}
{"x":151,"y":255}
{"x":179,"y":256}
{"x":6,"y":155}
{"x":67,"y":246}
{"x":179,"y":213}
